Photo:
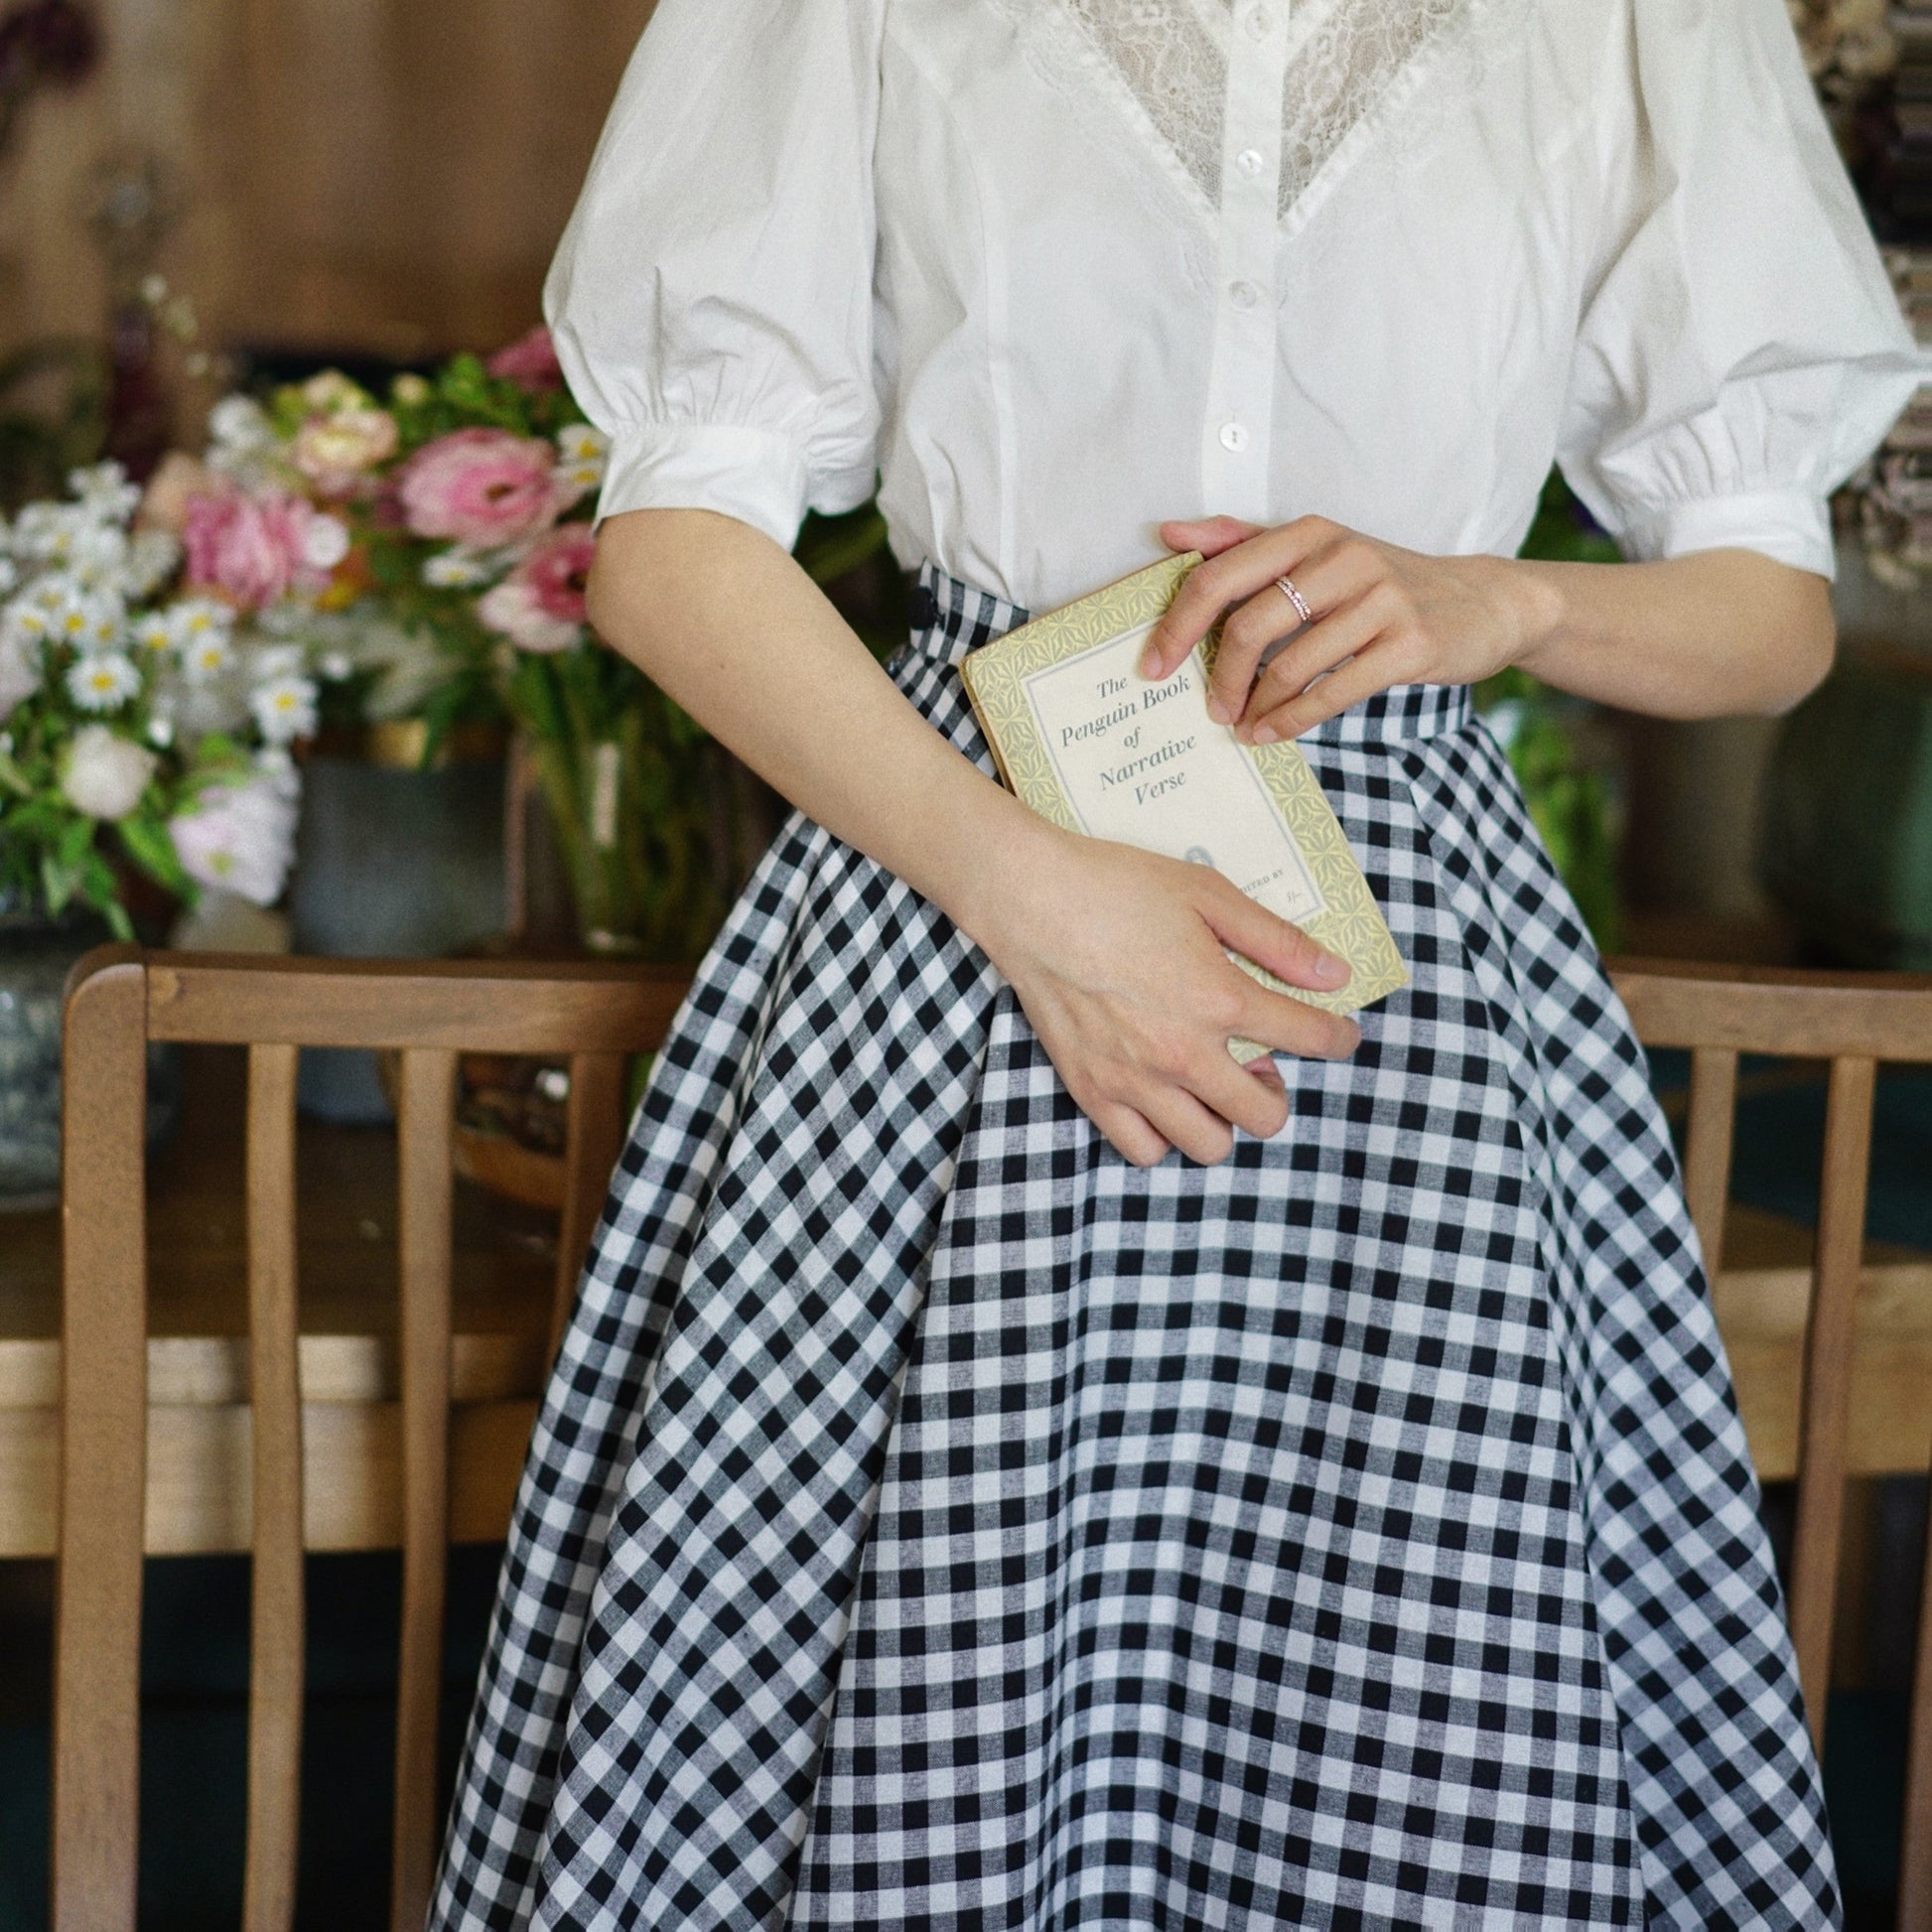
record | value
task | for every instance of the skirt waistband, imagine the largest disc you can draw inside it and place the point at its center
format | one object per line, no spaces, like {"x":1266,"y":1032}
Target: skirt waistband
{"x":950,"y":617}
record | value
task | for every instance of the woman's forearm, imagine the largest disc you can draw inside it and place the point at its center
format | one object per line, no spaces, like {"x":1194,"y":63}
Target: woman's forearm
{"x":1715,"y":632}
{"x":722,"y":619}
{"x":1119,"y":958}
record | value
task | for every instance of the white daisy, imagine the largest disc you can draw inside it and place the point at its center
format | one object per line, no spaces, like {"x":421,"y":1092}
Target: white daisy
{"x":103,"y":681}
{"x":47,"y":533}
{"x":455,"y":570}
{"x":574,"y":479}
{"x":103,"y":489}
{"x":89,"y":620}
{"x":25,"y":621}
{"x":196,"y":618}
{"x":96,"y":558}
{"x":276,"y":660}
{"x":583,"y":443}
{"x":151,"y":561}
{"x":240,"y":424}
{"x":284,"y":708}
{"x":206,"y":656}
{"x":152,"y":633}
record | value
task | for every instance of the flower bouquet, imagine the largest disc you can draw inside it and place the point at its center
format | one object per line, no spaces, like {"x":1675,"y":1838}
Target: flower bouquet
{"x":465,"y":499}
{"x":145,"y":716}
{"x":145,"y":727}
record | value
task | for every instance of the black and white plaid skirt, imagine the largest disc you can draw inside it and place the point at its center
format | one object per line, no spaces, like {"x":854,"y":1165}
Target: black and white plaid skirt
{"x":936,"y":1521}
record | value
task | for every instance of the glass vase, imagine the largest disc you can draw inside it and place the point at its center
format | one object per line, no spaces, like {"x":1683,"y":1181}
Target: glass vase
{"x":38,"y":950}
{"x":646,"y":829}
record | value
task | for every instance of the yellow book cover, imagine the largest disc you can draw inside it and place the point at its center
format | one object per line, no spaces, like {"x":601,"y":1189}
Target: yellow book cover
{"x":1086,"y":741}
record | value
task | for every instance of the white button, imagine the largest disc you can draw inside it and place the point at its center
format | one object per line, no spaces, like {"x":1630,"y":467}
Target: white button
{"x":1234,"y":436}
{"x":1260,"y":22}
{"x":1250,"y":162}
{"x":1244,"y":295}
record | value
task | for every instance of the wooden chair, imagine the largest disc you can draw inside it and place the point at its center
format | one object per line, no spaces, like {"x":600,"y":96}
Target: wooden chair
{"x":1853,"y":1022}
{"x":119,"y":1000}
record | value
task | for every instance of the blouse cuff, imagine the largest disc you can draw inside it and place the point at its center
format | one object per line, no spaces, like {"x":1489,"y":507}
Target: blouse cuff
{"x":1788,"y":524}
{"x":757,"y":476}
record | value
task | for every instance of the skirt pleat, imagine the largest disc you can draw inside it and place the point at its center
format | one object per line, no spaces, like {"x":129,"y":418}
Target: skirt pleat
{"x":935,"y":1521}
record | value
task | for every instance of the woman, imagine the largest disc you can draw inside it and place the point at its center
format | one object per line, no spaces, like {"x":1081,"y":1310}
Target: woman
{"x":1010,"y":1466}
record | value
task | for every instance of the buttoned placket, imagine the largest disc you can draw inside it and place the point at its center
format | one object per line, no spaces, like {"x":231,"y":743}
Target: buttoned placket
{"x":1237,"y":431}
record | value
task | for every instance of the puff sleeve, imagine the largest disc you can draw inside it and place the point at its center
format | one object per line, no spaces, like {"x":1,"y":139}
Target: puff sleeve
{"x":711,"y":297}
{"x":1739,"y":349}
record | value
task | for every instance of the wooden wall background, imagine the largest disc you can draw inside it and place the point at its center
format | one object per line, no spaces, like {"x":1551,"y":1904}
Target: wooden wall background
{"x":389,"y":175}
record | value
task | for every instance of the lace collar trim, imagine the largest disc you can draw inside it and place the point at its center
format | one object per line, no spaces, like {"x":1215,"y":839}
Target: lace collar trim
{"x":1162,"y":64}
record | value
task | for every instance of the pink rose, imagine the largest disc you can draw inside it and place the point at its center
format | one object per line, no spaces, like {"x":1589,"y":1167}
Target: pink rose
{"x":335,"y":452}
{"x":481,"y":488}
{"x":256,"y":549}
{"x":530,"y":361}
{"x":539,"y":606}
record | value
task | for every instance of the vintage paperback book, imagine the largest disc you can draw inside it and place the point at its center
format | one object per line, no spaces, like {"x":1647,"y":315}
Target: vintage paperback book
{"x":1086,"y":741}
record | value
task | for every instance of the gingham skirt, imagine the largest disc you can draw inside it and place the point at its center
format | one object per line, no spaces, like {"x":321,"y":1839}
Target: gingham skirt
{"x":935,"y":1521}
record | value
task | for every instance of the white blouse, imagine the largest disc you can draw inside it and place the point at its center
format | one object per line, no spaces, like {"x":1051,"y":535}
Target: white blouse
{"x":1049,"y":271}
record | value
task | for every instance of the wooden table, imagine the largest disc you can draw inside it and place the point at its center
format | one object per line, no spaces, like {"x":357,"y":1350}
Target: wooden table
{"x":199,"y":1433}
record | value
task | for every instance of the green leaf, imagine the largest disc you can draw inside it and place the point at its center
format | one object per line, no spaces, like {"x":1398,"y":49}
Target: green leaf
{"x":56,"y":882}
{"x":149,"y":843}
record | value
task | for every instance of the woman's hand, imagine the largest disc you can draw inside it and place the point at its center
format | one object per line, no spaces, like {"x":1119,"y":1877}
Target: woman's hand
{"x":1119,"y":959}
{"x":1117,"y":955}
{"x":1383,"y":616}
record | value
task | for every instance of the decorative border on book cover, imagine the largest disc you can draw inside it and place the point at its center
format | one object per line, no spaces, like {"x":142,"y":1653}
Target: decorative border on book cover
{"x":996,"y":674}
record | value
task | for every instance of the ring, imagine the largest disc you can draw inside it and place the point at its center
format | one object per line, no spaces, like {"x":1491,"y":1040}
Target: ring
{"x":1295,"y":598}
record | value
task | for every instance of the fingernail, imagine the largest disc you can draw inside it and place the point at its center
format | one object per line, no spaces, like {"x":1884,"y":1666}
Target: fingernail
{"x":1151,"y":661}
{"x":1329,"y":970}
{"x":1219,"y":712}
{"x":1263,"y":735}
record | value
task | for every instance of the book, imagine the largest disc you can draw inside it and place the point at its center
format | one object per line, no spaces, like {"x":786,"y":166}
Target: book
{"x":1081,"y":737}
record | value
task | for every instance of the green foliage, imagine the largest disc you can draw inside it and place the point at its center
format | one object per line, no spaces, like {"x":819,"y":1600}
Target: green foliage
{"x":57,"y":856}
{"x":463,"y":395}
{"x":1571,"y":804}
{"x":1561,"y":532}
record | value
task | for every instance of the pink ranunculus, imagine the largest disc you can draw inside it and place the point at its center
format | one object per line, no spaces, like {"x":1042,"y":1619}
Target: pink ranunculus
{"x":539,"y":606}
{"x":513,"y":608}
{"x":252,"y":549}
{"x":557,"y":569}
{"x":530,"y":361}
{"x":481,"y":488}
